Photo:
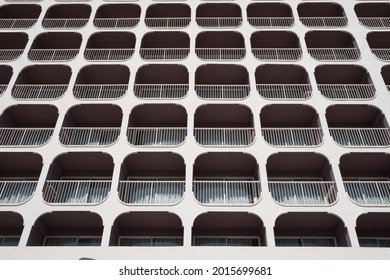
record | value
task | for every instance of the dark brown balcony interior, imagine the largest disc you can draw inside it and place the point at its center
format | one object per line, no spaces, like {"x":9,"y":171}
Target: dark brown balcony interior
{"x":372,"y":9}
{"x":281,"y":74}
{"x":103,"y":74}
{"x":342,"y":74}
{"x":158,"y":115}
{"x":14,"y":40}
{"x":379,"y":40}
{"x":5,"y":74}
{"x":373,"y":225}
{"x":20,"y":165}
{"x":44,"y":75}
{"x":168,"y":11}
{"x":289,"y":115}
{"x":267,"y":10}
{"x":211,"y":10}
{"x":25,"y":116}
{"x":111,"y":40}
{"x":385,"y":72}
{"x":162,"y":74}
{"x":57,"y":40}
{"x":223,"y":116}
{"x":274,"y":39}
{"x":153,"y":165}
{"x":311,"y":224}
{"x":221,"y":74}
{"x":350,"y":116}
{"x":165,"y":39}
{"x":220,"y":39}
{"x":73,"y":11}
{"x":65,"y":223}
{"x":329,"y":39}
{"x":20,"y":11}
{"x":147,"y":224}
{"x":11,"y":224}
{"x":118,"y":11}
{"x":369,"y":165}
{"x":320,"y":10}
{"x":237,"y":224}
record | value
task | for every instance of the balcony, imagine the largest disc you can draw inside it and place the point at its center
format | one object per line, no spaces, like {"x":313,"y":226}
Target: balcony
{"x":81,"y":130}
{"x":152,"y":179}
{"x":42,"y":82}
{"x":218,"y":15}
{"x":101,"y":82}
{"x":310,"y":229}
{"x":147,"y":229}
{"x":332,"y":45}
{"x":276,"y":45}
{"x":301,"y":179}
{"x":157,"y":125}
{"x":110,"y":46}
{"x":6,"y":73}
{"x":222,"y":82}
{"x":161,"y":81}
{"x":220,"y":45}
{"x":19,"y":16}
{"x":67,"y":16}
{"x":165,"y":45}
{"x":67,"y":228}
{"x":379,"y":43}
{"x":55,"y":46}
{"x":117,"y":16}
{"x":168,"y":16}
{"x":224,"y":126}
{"x":373,"y":230}
{"x":358,"y":126}
{"x":240,"y":229}
{"x":385,"y":72}
{"x":283,"y":82}
{"x":322,"y":15}
{"x":373,"y":15}
{"x":27,"y":125}
{"x":344,"y":82}
{"x":12,"y":45}
{"x":79,"y":178}
{"x":19,"y":173}
{"x":265,"y":15}
{"x":11,"y":228}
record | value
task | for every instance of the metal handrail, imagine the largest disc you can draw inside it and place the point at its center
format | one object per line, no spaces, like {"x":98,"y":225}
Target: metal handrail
{"x":369,"y":193}
{"x":156,"y":136}
{"x":277,"y":53}
{"x":48,"y":91}
{"x":361,"y":137}
{"x":347,"y":91}
{"x":24,"y":137}
{"x":243,"y":136}
{"x":285,"y":91}
{"x":89,"y":136}
{"x":293,"y":137}
{"x":172,"y":91}
{"x":222,"y":91}
{"x":99,"y":91}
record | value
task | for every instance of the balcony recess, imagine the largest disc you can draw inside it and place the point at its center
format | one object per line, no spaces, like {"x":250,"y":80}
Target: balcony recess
{"x":12,"y":45}
{"x":67,"y":16}
{"x":117,"y":16}
{"x":218,"y":15}
{"x":11,"y":228}
{"x":19,"y":16}
{"x":373,"y":230}
{"x":168,"y":16}
{"x":270,"y":15}
{"x":379,"y":43}
{"x":5,"y":76}
{"x":319,"y":15}
{"x":373,"y":15}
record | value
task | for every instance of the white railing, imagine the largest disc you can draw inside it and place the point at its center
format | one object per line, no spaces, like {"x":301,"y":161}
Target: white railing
{"x":10,"y":54}
{"x":107,"y":54}
{"x":284,"y":91}
{"x":115,"y":22}
{"x":369,"y":193}
{"x":25,"y":137}
{"x":150,"y":241}
{"x":95,"y":91}
{"x":39,"y":91}
{"x":16,"y":192}
{"x":89,"y":136}
{"x":222,"y":91}
{"x":347,"y":91}
{"x":290,"y":137}
{"x":172,"y":91}
{"x":167,"y":22}
{"x":52,"y":54}
{"x":241,"y":241}
{"x":277,"y":53}
{"x":224,"y":136}
{"x":271,"y":21}
{"x":3,"y":88}
{"x":81,"y":192}
{"x":219,"y":21}
{"x":361,"y":137}
{"x":220,"y":53}
{"x":151,"y":192}
{"x":383,"y":54}
{"x":305,"y":241}
{"x":164,"y":53}
{"x":156,"y":136}
{"x":17,"y":23}
{"x":375,"y":22}
{"x":335,"y":53}
{"x":303,"y":193}
{"x":324,"y":21}
{"x":227,"y":192}
{"x":68,"y":23}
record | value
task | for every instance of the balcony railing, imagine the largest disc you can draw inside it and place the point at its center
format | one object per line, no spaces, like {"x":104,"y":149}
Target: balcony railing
{"x":303,"y":193}
{"x":220,"y":53}
{"x":99,"y":91}
{"x":108,"y":54}
{"x":219,"y":21}
{"x":115,"y":22}
{"x":293,"y":137}
{"x":72,"y":241}
{"x":80,"y":192}
{"x":172,"y":91}
{"x":277,"y":53}
{"x":156,"y":136}
{"x":16,"y":192}
{"x":151,"y":192}
{"x":232,"y":193}
{"x":242,"y":241}
{"x":89,"y":136}
{"x":60,"y":23}
{"x":150,"y":241}
{"x":324,"y":21}
{"x":375,"y":22}
{"x":25,"y":137}
{"x":224,"y":136}
{"x":374,"y":242}
{"x":271,"y":21}
{"x":52,"y":54}
{"x":369,"y":193}
{"x":10,"y":54}
{"x":222,"y":91}
{"x":3,"y":88}
{"x":347,"y":91}
{"x":382,"y":54}
{"x":168,"y":22}
{"x":284,"y":91}
{"x":39,"y":91}
{"x":361,"y":137}
{"x":164,"y":53}
{"x":16,"y":23}
{"x":305,"y":241}
{"x":6,"y":241}
{"x":350,"y":54}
